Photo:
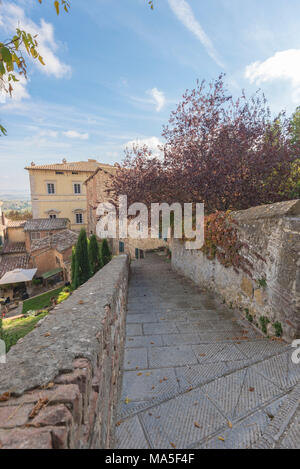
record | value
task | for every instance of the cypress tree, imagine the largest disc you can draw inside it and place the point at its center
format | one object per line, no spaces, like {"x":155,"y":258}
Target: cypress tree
{"x":82,"y":263}
{"x":94,"y":255}
{"x":73,"y":267}
{"x":105,"y":252}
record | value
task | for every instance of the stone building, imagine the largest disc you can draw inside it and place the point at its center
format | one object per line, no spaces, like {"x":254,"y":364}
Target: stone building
{"x":98,"y":190}
{"x":39,"y":228}
{"x":52,"y":254}
{"x":57,"y":190}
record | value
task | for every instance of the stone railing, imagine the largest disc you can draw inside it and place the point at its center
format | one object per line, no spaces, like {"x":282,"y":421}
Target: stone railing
{"x":60,"y":385}
{"x":272,"y":236}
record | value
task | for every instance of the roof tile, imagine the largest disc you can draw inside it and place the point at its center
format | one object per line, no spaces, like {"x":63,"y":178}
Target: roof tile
{"x":46,"y":224}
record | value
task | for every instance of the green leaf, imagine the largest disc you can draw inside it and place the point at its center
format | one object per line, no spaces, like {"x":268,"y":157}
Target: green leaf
{"x":6,"y":55}
{"x":3,"y":130}
{"x":2,"y":68}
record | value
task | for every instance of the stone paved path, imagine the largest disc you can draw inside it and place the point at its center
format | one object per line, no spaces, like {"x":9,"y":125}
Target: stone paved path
{"x":195,"y":375}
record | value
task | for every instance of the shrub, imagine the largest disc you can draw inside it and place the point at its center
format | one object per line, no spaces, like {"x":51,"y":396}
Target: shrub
{"x":278,"y":328}
{"x":249,"y":316}
{"x":264,"y":321}
{"x":37,"y":281}
{"x":261,"y":282}
{"x":62,"y":297}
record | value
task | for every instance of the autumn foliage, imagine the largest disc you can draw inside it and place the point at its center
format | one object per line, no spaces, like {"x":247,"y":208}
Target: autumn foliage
{"x":228,"y":153}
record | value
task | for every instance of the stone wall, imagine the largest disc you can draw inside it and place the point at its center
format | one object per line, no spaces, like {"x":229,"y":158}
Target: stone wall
{"x":60,"y":385}
{"x":272,"y":234}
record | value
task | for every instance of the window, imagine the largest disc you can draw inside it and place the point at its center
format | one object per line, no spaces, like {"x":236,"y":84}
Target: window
{"x":79,"y":218}
{"x":35,"y":235}
{"x":77,"y":188}
{"x":59,"y":172}
{"x":50,"y":188}
{"x":52,"y":217}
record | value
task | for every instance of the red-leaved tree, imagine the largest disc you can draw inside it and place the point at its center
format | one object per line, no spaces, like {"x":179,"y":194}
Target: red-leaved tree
{"x":228,"y":153}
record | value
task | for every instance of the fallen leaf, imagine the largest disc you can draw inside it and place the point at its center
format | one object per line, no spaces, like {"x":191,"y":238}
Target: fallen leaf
{"x":127,"y":400}
{"x":47,"y":334}
{"x":139,"y":374}
{"x":148,"y":374}
{"x":38,"y":407}
{"x":229,"y":424}
{"x":118,"y":423}
{"x":5,"y":397}
{"x":80,"y":302}
{"x":251,"y":389}
{"x":221,"y":438}
{"x":50,"y":385}
{"x":172,"y":444}
{"x":197,"y":425}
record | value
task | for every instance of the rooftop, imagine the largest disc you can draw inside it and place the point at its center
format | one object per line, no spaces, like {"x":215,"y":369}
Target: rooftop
{"x":12,"y":248}
{"x":60,"y":241}
{"x":46,"y":224}
{"x":8,"y":263}
{"x":15,"y":223}
{"x":77,"y":166}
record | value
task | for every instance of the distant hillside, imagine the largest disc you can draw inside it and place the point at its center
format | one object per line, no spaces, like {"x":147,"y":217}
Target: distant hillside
{"x":16,"y":204}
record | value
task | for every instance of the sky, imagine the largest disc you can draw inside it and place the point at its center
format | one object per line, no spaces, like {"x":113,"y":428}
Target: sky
{"x":115,"y":69}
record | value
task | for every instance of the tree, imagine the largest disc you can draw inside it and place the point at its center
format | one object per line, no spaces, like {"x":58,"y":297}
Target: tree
{"x":105,"y":252}
{"x":228,"y":153}
{"x":73,"y":266}
{"x":94,"y":255}
{"x":11,"y":53}
{"x":82,"y":263}
{"x":18,"y":215}
{"x":295,"y":126}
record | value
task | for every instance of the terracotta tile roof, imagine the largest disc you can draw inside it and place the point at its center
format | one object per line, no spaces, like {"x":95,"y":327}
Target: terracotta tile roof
{"x":89,"y":166}
{"x":60,"y":241}
{"x":8,"y":263}
{"x":46,"y":224}
{"x":15,"y":223}
{"x":10,"y":248}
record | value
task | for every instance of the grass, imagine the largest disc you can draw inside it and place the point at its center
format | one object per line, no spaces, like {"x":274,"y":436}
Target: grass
{"x":41,"y":301}
{"x":15,"y":329}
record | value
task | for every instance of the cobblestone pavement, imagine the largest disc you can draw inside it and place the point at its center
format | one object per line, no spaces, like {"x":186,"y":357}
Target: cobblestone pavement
{"x":195,"y":374}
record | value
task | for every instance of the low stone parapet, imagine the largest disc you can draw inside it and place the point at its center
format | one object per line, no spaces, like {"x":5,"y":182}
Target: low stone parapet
{"x":59,"y":387}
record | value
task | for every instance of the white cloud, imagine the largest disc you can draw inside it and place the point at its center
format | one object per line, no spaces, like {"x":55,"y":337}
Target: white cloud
{"x":185,"y":14}
{"x":284,"y":65}
{"x":74,"y":134}
{"x":48,"y":133}
{"x":159,"y":98}
{"x":151,"y":142}
{"x":13,"y":16}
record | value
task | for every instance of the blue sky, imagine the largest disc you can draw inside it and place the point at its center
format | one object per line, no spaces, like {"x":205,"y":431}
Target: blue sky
{"x":115,"y":70}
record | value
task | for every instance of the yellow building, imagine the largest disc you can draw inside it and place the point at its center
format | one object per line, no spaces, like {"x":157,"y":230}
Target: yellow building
{"x":57,"y":190}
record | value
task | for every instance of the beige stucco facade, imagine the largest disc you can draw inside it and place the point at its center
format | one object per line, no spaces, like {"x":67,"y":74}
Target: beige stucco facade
{"x":58,"y":191}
